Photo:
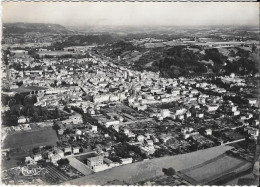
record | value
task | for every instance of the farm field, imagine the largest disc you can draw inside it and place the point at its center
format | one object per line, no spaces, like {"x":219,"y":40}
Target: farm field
{"x":54,"y":176}
{"x":29,"y":140}
{"x":213,"y":169}
{"x":143,"y":171}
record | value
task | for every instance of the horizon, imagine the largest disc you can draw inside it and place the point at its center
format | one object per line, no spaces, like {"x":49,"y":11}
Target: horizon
{"x":135,"y":26}
{"x":78,"y":14}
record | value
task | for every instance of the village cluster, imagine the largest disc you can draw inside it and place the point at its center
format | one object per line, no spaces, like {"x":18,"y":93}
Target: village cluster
{"x":109,"y":115}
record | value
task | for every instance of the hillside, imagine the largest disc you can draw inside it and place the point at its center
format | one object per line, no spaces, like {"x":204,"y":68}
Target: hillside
{"x":185,"y":61}
{"x":23,"y":28}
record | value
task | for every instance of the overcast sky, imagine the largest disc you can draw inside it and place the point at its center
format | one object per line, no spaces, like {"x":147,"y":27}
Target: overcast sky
{"x":107,"y":13}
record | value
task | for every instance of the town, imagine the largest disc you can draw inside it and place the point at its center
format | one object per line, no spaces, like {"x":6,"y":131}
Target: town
{"x":94,"y":108}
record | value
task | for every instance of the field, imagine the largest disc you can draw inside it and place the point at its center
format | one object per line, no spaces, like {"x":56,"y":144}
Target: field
{"x":143,"y":171}
{"x":54,"y":53}
{"x":28,"y":140}
{"x":213,"y":169}
{"x":52,"y":175}
{"x":81,"y":167}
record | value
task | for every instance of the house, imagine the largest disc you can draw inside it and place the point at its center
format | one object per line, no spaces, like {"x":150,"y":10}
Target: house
{"x":233,"y":108}
{"x":140,"y":138}
{"x":126,"y":160}
{"x":208,"y":132}
{"x":50,"y":154}
{"x":25,"y":126}
{"x":30,"y":161}
{"x":23,"y":119}
{"x":147,"y":149}
{"x":236,"y":113}
{"x":180,"y":111}
{"x":254,"y":132}
{"x":181,"y":117}
{"x":67,"y":150}
{"x":78,"y":132}
{"x":94,"y":129}
{"x":55,"y":158}
{"x":149,"y":142}
{"x":212,"y":108}
{"x":77,"y":118}
{"x":165,"y":113}
{"x":60,"y":152}
{"x":252,"y":101}
{"x":75,"y":150}
{"x":60,"y":131}
{"x":112,"y":122}
{"x":199,"y":115}
{"x":186,"y":136}
{"x":16,"y":128}
{"x":37,"y":157}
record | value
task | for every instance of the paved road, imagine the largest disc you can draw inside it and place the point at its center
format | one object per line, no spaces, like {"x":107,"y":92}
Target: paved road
{"x":137,"y":121}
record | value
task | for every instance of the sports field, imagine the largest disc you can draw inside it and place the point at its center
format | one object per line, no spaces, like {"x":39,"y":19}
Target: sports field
{"x":213,"y":169}
{"x":143,"y":171}
{"x":28,"y":140}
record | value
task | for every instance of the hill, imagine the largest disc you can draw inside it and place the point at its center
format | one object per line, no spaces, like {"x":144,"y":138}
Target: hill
{"x":22,"y":28}
{"x":177,"y":61}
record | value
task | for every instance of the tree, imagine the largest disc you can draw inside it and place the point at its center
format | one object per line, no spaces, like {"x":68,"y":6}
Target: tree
{"x":67,"y":109}
{"x":30,"y":100}
{"x":20,"y":83}
{"x":169,"y":172}
{"x":63,"y":162}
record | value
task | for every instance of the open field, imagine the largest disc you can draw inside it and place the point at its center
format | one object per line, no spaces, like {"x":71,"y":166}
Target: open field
{"x":54,"y":53}
{"x":28,"y":140}
{"x":78,"y":165}
{"x":213,"y":169}
{"x":142,"y":171}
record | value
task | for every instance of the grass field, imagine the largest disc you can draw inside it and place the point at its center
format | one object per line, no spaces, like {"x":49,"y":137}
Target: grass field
{"x":28,"y":140}
{"x":143,"y":171}
{"x":213,"y":169}
{"x":81,"y":167}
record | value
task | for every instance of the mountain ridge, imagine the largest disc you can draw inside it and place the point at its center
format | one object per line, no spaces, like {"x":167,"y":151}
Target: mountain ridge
{"x":22,"y":28}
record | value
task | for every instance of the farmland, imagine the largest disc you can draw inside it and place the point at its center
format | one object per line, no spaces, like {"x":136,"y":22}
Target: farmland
{"x":142,"y":171}
{"x":213,"y":169}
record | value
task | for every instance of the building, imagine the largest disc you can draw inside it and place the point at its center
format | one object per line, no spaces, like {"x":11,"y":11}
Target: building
{"x":208,"y":132}
{"x":75,"y":150}
{"x":23,"y":119}
{"x":60,"y":152}
{"x":37,"y":157}
{"x":126,"y":160}
{"x":94,"y":129}
{"x":252,"y":101}
{"x":95,"y":160}
{"x":165,"y":113}
{"x":148,"y":150}
{"x":212,"y":108}
{"x":55,"y":158}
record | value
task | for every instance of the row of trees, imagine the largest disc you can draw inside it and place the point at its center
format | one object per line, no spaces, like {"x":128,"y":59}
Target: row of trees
{"x":34,"y":113}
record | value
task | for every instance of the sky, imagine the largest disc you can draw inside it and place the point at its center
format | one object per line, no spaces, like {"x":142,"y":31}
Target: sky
{"x":132,"y":13}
